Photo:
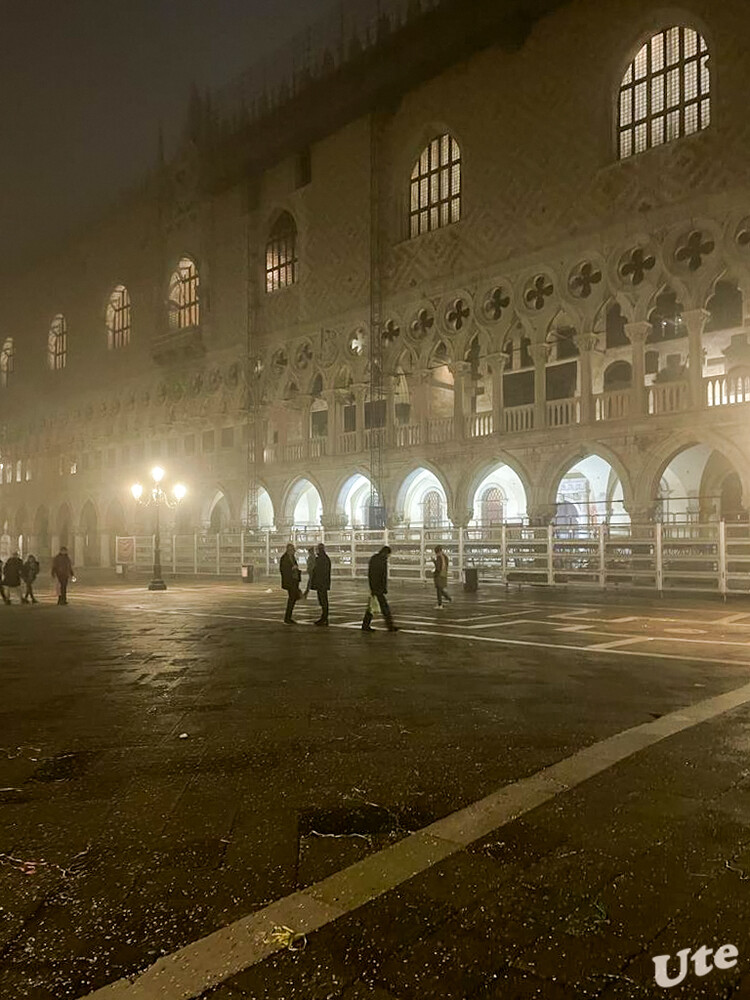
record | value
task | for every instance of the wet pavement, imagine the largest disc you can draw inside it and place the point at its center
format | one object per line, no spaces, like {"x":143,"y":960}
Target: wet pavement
{"x":171,"y":763}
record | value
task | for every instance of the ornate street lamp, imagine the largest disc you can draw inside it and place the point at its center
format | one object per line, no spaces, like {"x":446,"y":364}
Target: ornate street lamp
{"x":155,"y":497}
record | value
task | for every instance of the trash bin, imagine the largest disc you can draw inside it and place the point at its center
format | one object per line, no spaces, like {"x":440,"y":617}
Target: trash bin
{"x":120,"y":569}
{"x":471,"y":580}
{"x":247,"y":574}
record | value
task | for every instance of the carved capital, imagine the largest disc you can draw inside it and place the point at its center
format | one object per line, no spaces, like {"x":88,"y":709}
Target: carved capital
{"x":637,"y":332}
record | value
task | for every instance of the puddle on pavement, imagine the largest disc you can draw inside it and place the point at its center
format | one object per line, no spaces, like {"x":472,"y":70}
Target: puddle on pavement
{"x":64,"y":766}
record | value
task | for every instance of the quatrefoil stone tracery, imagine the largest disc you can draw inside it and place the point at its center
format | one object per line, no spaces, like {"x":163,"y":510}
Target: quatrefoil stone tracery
{"x":583,"y":279}
{"x":694,"y":249}
{"x":538,"y":292}
{"x":635,"y":265}
{"x":456,"y":314}
{"x":304,"y":356}
{"x":496,"y":303}
{"x":422,"y":323}
{"x":391,"y":331}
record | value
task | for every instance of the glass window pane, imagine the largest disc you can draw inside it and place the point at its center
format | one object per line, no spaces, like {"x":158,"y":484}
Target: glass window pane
{"x":641,"y":135}
{"x":691,"y":43}
{"x":673,"y":46}
{"x":657,"y":53}
{"x":691,"y":119}
{"x":691,"y":81}
{"x":657,"y":95}
{"x":626,"y":107}
{"x":641,"y":63}
{"x":673,"y":88}
{"x":641,"y":105}
{"x":673,"y":125}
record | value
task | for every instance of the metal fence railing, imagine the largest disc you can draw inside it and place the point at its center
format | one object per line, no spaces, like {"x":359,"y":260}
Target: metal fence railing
{"x":709,"y":558}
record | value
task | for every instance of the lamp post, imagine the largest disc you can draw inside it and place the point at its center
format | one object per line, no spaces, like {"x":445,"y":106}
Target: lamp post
{"x":155,"y":497}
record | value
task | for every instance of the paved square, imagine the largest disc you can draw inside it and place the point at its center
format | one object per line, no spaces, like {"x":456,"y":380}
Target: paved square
{"x":180,"y":764}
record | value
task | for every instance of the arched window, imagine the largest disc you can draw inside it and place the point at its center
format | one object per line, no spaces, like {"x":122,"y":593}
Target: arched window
{"x":666,"y":92}
{"x":281,"y":254}
{"x":57,"y":343}
{"x":184,"y":307}
{"x":7,"y":361}
{"x":436,"y":186}
{"x":492,"y":507}
{"x":118,"y":318}
{"x":432,"y":509}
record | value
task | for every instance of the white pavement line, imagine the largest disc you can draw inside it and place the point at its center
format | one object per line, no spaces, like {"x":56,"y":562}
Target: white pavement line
{"x":575,"y":628}
{"x":623,"y":642}
{"x":473,"y":637}
{"x":206,"y":963}
{"x":731,"y":619}
{"x":569,"y":647}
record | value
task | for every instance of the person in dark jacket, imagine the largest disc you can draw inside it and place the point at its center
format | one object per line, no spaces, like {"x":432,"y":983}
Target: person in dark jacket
{"x":12,"y":577}
{"x":377,"y":576}
{"x":290,"y":578}
{"x":310,"y":567}
{"x":62,"y":574}
{"x":320,"y":580}
{"x":29,"y":573}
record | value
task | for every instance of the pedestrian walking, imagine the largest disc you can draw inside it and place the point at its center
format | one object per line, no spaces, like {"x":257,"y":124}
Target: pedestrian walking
{"x":3,"y":592}
{"x":62,"y":574}
{"x":310,"y":567}
{"x":29,"y":573}
{"x":290,"y":580}
{"x":377,"y":577}
{"x":320,"y":581}
{"x":440,"y":577}
{"x":12,"y":577}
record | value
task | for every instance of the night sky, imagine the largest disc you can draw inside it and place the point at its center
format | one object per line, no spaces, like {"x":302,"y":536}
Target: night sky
{"x":85,"y":84}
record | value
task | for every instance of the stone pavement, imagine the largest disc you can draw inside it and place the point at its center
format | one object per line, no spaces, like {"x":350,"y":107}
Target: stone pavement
{"x":306,"y":750}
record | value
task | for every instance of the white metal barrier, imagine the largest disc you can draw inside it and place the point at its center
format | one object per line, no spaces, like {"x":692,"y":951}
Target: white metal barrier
{"x":712,"y":557}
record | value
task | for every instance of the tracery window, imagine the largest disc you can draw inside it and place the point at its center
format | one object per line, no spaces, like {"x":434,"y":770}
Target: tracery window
{"x":184,"y":305}
{"x":492,"y":506}
{"x":118,"y":318}
{"x":7,"y":361}
{"x":432,"y":509}
{"x":666,"y":91}
{"x":281,"y":254}
{"x":57,"y":343}
{"x":436,"y":186}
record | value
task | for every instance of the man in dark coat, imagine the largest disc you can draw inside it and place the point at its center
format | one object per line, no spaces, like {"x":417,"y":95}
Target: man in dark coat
{"x":320,"y":580}
{"x":29,"y":574}
{"x":62,"y":574}
{"x":377,"y":575}
{"x":12,"y":576}
{"x":290,"y":578}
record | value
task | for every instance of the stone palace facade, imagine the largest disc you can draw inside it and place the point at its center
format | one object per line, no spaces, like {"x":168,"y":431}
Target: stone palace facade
{"x":498,"y":263}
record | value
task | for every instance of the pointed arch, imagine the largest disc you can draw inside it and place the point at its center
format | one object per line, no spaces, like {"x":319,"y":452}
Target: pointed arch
{"x":184,"y":295}
{"x":281,"y":253}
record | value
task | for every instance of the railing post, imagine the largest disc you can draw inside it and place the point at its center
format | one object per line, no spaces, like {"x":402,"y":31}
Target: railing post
{"x":461,"y":542}
{"x":659,"y":549}
{"x":353,"y":551}
{"x":421,"y":554}
{"x":218,"y":554}
{"x":550,"y":555}
{"x":602,"y":558}
{"x":268,"y":551}
{"x":174,"y":555}
{"x":195,"y":554}
{"x":504,"y":553}
{"x":242,"y":549}
{"x":723,"y":585}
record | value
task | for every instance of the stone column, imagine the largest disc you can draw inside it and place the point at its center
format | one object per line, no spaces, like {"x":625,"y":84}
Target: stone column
{"x":498,"y":363}
{"x":359,"y":402}
{"x":419,"y":393}
{"x":637,"y":334}
{"x":330,"y":399}
{"x":587,"y":344}
{"x":460,"y":370}
{"x":695,"y":321}
{"x":539,"y":354}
